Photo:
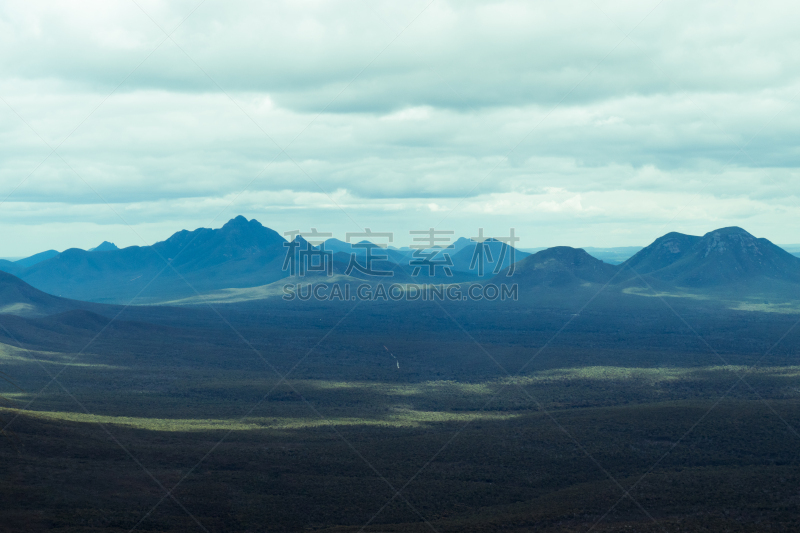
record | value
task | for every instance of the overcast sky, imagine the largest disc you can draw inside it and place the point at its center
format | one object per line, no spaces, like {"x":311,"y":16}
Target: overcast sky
{"x":586,"y":123}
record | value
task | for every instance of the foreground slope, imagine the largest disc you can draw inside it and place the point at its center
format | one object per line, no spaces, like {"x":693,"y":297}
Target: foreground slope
{"x":19,"y":298}
{"x":397,"y":383}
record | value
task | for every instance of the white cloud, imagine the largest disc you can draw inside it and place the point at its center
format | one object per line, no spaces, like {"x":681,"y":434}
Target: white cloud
{"x":411,"y":113}
{"x":540,"y":112}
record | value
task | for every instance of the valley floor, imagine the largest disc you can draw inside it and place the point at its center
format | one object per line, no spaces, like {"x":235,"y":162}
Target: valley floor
{"x":569,"y":473}
{"x":171,"y":423}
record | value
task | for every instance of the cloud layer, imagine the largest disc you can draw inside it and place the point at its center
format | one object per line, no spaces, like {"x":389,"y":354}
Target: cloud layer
{"x":583,"y":123}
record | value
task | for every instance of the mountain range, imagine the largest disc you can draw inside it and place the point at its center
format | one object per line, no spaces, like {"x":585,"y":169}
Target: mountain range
{"x":244,"y":254}
{"x":240,"y":254}
{"x":719,"y":260}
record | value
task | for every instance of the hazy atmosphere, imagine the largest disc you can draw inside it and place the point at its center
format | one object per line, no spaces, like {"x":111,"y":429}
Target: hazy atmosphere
{"x":589,"y":123}
{"x":405,"y":267}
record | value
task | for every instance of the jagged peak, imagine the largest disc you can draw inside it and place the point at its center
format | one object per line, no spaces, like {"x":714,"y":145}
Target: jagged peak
{"x":105,"y":246}
{"x":241,"y":222}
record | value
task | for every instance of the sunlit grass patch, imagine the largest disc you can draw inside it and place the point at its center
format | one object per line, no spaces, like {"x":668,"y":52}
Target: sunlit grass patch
{"x":603,"y":373}
{"x":213,"y":404}
{"x":20,"y":396}
{"x":782,"y":308}
{"x":589,"y":373}
{"x":397,"y":418}
{"x":247,"y":294}
{"x":19,"y":308}
{"x":641,"y":291}
{"x":415,"y":389}
{"x":231,"y":295}
{"x":762,"y":304}
{"x":659,"y":374}
{"x":14,"y":355}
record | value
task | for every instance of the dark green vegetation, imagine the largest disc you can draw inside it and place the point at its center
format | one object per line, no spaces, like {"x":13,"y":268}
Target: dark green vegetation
{"x":658,"y":395}
{"x":514,"y":416}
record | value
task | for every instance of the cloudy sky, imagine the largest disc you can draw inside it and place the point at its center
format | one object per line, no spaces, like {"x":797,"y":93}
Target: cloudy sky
{"x":585,"y":123}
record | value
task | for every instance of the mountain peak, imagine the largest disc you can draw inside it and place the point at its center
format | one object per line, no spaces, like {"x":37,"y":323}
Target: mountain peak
{"x":105,"y":246}
{"x":731,"y":230}
{"x":561,"y":266}
{"x":240,"y":222}
{"x":304,"y":243}
{"x":663,"y":252}
{"x":723,"y":256}
{"x":730,"y":239}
